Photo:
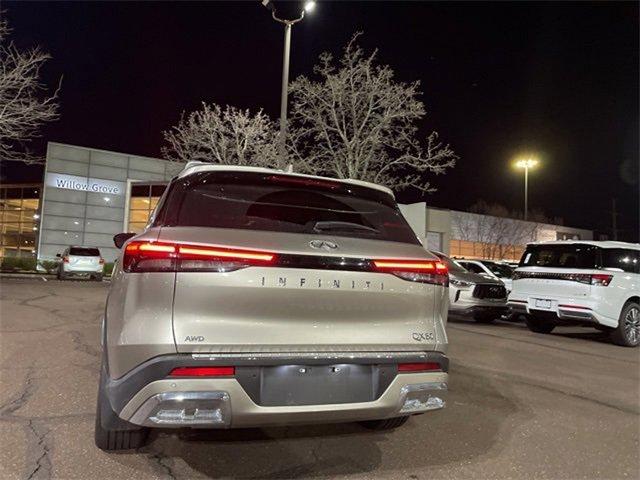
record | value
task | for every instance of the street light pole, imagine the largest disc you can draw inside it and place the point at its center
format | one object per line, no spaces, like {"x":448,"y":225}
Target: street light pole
{"x":526,"y":164}
{"x":284,"y":95}
{"x":526,"y":192}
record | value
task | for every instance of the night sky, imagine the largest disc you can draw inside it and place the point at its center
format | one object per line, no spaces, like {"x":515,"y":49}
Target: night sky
{"x":557,"y":79}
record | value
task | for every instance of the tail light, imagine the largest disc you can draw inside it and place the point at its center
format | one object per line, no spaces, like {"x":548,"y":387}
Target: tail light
{"x":599,"y":279}
{"x":423,"y":271}
{"x":101,"y":261}
{"x":65,"y":259}
{"x":143,"y":256}
{"x":203,"y":372}
{"x":419,"y":367}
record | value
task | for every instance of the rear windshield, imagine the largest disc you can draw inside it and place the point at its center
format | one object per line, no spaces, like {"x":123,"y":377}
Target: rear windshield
{"x":626,"y":260}
{"x":84,"y":252}
{"x":281,"y":203}
{"x":573,"y":255}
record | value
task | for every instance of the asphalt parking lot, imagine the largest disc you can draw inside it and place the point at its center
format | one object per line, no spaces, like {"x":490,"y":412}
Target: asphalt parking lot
{"x":521,"y":405}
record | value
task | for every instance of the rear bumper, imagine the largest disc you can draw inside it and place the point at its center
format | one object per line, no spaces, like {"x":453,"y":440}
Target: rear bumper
{"x":147,"y":396}
{"x":469,"y":308}
{"x":82,"y":270}
{"x":565,"y":310}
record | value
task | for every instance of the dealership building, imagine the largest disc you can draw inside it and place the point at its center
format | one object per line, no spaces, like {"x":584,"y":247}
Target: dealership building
{"x":89,"y":195}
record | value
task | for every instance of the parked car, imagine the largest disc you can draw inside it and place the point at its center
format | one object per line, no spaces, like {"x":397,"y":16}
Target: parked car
{"x":580,"y":283}
{"x":480,"y":296}
{"x":80,"y":262}
{"x":491,"y":269}
{"x":257,"y":297}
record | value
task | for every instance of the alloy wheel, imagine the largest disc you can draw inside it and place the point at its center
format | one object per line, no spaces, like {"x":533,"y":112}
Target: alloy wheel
{"x":632,"y":325}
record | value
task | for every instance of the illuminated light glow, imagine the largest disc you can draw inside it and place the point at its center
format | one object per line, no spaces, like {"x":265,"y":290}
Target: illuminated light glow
{"x":154,"y":247}
{"x":203,"y":372}
{"x":309,"y":6}
{"x":412,"y":265}
{"x":210,"y":252}
{"x":416,"y":265}
{"x":526,"y":163}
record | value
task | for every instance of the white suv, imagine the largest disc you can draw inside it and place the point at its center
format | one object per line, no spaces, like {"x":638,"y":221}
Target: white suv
{"x":580,"y":282}
{"x":491,"y":269}
{"x":80,"y":261}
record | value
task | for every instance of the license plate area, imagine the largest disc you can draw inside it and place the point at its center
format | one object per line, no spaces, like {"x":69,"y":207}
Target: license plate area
{"x":543,"y":304}
{"x":291,"y":385}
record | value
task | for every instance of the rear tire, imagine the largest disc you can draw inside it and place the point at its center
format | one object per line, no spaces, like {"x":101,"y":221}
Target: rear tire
{"x":385,"y":424}
{"x":97,"y":278}
{"x":627,"y":333}
{"x":111,"y":432}
{"x":539,"y":325}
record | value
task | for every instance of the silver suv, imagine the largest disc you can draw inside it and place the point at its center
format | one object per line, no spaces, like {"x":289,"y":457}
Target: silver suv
{"x":80,"y":261}
{"x":259,"y":298}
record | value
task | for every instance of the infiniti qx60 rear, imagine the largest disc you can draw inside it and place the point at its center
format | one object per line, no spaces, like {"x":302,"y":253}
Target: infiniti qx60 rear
{"x":257,"y":297}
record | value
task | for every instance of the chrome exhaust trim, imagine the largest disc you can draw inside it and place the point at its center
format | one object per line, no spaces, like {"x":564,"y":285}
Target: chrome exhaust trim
{"x":185,"y":409}
{"x":422,"y":397}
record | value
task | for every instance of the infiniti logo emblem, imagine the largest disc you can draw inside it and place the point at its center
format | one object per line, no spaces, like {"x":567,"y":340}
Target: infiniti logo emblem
{"x":323,"y":245}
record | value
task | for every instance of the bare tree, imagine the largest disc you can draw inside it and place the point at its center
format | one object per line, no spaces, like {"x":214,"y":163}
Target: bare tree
{"x":228,"y":136}
{"x":495,"y":228}
{"x":357,"y":121}
{"x":23,"y":108}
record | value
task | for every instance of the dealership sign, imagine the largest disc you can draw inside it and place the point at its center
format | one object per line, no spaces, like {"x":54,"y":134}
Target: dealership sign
{"x":84,"y":184}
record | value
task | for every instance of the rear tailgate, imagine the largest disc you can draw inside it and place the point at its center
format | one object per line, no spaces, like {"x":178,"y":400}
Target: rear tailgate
{"x":79,"y":262}
{"x":552,"y":282}
{"x":313,"y":308}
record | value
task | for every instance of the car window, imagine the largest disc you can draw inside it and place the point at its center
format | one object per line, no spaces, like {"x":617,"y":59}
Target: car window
{"x":84,"y":252}
{"x":575,"y":255}
{"x":624,"y":259}
{"x":500,"y":270}
{"x":271,"y":202}
{"x":472,"y":267}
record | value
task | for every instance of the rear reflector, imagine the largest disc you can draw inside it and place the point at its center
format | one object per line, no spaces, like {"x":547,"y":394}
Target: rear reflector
{"x":423,"y":271}
{"x":203,"y":372}
{"x":419,"y":367}
{"x":579,"y":307}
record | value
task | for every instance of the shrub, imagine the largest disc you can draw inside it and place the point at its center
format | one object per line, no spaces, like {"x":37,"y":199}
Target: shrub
{"x":108,"y":269}
{"x":50,"y":266}
{"x":18,"y":264}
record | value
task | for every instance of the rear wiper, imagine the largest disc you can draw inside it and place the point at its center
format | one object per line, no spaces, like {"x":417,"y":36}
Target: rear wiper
{"x":331,"y":225}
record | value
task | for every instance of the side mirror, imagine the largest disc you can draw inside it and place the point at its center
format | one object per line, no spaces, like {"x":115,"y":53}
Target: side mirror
{"x":120,"y":238}
{"x":58,"y":255}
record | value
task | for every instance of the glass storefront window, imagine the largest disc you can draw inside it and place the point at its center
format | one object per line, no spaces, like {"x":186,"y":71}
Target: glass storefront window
{"x":18,"y":222}
{"x":144,"y":199}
